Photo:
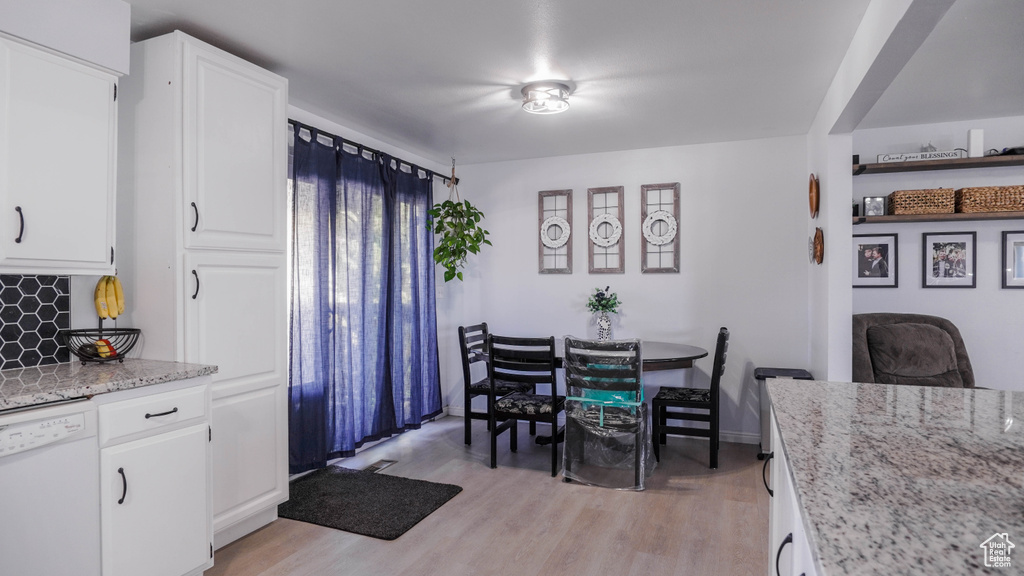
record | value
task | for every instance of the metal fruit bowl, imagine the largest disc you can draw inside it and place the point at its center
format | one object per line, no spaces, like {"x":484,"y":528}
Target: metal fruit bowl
{"x":83,"y":343}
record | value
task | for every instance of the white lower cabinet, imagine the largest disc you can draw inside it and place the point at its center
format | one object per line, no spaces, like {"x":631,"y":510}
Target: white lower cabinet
{"x":788,"y":545}
{"x":235,"y":321}
{"x":249,"y":478}
{"x":155,"y":457}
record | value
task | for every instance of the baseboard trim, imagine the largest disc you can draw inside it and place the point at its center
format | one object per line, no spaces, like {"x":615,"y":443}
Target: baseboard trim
{"x":740,"y":437}
{"x":243,"y":527}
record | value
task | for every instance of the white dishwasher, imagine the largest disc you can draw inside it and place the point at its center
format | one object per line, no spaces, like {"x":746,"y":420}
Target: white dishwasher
{"x":49,"y":491}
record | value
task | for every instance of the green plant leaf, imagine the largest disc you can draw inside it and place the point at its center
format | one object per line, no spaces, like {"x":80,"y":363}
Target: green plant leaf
{"x":457,"y":225}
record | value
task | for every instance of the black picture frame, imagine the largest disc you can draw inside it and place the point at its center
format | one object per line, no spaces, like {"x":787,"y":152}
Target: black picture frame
{"x":1012,"y":268}
{"x":870,"y":271}
{"x":949,"y":259}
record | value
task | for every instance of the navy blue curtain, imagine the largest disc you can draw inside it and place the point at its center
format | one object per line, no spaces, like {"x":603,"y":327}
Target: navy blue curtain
{"x":363,"y":326}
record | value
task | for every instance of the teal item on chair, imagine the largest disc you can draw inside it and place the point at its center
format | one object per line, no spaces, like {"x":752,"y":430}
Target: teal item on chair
{"x":607,"y":426}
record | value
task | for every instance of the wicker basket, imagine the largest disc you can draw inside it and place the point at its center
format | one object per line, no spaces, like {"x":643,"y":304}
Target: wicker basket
{"x":990,"y":199}
{"x":934,"y":201}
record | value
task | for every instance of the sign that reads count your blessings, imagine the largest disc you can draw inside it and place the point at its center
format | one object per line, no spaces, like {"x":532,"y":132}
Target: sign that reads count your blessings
{"x":915,"y":156}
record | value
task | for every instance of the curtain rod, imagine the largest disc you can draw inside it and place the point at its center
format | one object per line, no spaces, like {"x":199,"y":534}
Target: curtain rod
{"x":399,"y":161}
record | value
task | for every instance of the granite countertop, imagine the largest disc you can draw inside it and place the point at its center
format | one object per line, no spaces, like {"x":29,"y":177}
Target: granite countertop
{"x":24,"y":387}
{"x":904,"y":479}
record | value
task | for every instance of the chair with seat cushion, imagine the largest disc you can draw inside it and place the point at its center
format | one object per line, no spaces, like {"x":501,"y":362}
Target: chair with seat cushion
{"x":472,"y":344}
{"x":607,"y":431}
{"x":915,"y":349}
{"x":668,"y":401}
{"x":523,"y":361}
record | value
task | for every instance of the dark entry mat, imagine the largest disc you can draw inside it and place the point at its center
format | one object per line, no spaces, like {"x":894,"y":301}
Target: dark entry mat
{"x":376,"y":505}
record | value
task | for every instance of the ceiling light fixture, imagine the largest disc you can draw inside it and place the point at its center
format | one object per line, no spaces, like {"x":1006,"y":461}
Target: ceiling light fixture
{"x":545,"y":97}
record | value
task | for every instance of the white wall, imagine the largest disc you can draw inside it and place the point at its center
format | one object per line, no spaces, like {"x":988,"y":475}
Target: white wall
{"x":988,"y":316}
{"x":744,"y":261}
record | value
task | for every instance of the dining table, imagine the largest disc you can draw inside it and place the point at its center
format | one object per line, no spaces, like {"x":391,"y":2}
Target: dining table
{"x":657,"y":355}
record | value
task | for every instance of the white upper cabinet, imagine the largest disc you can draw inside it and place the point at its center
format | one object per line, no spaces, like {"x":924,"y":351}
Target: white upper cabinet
{"x":236,"y":115}
{"x":58,"y":126}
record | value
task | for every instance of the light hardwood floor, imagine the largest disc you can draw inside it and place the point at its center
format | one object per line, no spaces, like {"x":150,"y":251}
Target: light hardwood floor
{"x":517,"y":519}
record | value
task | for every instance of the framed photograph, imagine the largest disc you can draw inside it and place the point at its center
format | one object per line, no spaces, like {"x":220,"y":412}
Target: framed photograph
{"x":874,"y":205}
{"x":1013,"y":259}
{"x":948,"y":259}
{"x":875,"y":261}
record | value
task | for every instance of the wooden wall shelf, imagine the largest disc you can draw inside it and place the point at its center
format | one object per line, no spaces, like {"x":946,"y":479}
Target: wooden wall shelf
{"x":957,"y":217}
{"x":924,"y":165}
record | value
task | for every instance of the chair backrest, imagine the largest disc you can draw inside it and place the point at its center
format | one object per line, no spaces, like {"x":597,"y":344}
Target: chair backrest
{"x":521,"y":360}
{"x":914,"y":349}
{"x":472,"y":344}
{"x":721,"y":351}
{"x":599,"y":369}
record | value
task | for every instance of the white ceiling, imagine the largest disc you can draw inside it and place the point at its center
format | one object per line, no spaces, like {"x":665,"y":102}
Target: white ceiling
{"x":970,"y":67}
{"x":442,"y":78}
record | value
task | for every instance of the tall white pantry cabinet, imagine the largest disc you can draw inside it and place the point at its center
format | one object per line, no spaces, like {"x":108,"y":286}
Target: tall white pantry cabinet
{"x":202,"y":201}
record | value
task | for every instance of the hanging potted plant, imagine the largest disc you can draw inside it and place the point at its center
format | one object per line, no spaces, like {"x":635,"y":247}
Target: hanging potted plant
{"x":457,"y":223}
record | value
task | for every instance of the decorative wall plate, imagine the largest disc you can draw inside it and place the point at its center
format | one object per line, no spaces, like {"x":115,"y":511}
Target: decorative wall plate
{"x":668,"y":235}
{"x":814,"y":196}
{"x":613,"y":238}
{"x":563,"y":234}
{"x":819,"y":246}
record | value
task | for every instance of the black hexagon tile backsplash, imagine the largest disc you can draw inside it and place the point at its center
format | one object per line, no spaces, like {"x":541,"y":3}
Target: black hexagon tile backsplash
{"x":32,"y":310}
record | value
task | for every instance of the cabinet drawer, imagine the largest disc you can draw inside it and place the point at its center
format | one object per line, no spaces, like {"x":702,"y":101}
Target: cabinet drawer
{"x":151,"y":413}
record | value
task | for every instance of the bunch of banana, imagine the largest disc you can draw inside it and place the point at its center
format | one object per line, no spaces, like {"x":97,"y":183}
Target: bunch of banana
{"x":109,"y":297}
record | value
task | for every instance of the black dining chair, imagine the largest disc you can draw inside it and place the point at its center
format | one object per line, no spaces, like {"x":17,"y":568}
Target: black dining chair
{"x":522,"y":361}
{"x":607,"y":434}
{"x":668,"y":401}
{"x":473,"y":345}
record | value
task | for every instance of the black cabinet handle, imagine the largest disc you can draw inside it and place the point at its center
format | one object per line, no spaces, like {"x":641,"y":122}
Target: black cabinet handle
{"x":778,"y":555}
{"x":168,"y":413}
{"x":767,"y":458}
{"x":124,"y":484}
{"x":21,"y":231}
{"x":111,"y":255}
{"x":196,"y":293}
{"x":196,"y":224}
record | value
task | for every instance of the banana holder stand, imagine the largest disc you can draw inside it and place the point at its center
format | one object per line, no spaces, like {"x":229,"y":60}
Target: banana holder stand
{"x":103,"y":344}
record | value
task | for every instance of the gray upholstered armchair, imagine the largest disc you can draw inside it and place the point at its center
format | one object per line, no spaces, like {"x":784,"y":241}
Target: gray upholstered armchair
{"x":909,"y":349}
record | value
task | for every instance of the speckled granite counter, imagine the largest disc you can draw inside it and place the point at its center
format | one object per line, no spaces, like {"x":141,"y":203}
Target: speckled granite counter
{"x":904,"y":479}
{"x":25,"y":387}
